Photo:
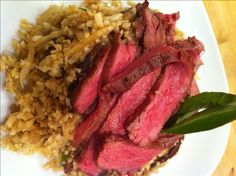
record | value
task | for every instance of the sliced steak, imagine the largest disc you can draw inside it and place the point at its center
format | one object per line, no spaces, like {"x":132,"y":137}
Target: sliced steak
{"x":139,"y":24}
{"x":154,"y":34}
{"x":191,"y":43}
{"x":87,"y":92}
{"x":152,"y":60}
{"x":87,"y":160}
{"x":168,"y":22}
{"x":154,"y":29}
{"x":90,"y":59}
{"x":128,"y":103}
{"x":122,"y":155}
{"x":120,"y":56}
{"x":194,"y":45}
{"x":86,"y":129}
{"x":160,"y":104}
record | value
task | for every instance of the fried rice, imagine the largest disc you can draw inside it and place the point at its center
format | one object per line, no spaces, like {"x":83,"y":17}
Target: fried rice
{"x":42,"y":67}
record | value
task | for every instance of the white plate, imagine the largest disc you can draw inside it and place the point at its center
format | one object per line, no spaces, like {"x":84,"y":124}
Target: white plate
{"x":199,"y":154}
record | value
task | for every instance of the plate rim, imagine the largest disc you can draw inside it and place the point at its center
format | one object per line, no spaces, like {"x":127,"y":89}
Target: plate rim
{"x":209,"y":26}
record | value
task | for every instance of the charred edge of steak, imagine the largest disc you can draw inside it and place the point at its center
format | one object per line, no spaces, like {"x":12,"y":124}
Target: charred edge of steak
{"x":112,"y":37}
{"x":89,"y":61}
{"x":171,"y":152}
{"x":146,"y":63}
{"x":130,"y":13}
{"x":91,"y":108}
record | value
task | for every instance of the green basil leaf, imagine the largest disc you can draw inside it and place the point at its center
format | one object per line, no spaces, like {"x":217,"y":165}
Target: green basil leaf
{"x":206,"y":100}
{"x":207,"y":119}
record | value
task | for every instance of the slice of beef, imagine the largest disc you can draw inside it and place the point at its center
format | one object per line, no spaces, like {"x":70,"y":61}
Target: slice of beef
{"x":160,"y":28}
{"x":83,"y":67}
{"x":163,"y":100}
{"x":168,"y":23}
{"x":191,"y":43}
{"x":154,"y":29}
{"x":128,"y":103}
{"x":122,"y":155}
{"x":86,"y":129}
{"x":90,"y":59}
{"x":125,"y":156}
{"x":120,"y":56}
{"x":85,"y":95}
{"x":139,"y":24}
{"x":156,"y":58}
{"x":86,"y":162}
{"x":154,"y":34}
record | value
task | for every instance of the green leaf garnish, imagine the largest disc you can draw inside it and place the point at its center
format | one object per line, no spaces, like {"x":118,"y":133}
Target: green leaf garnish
{"x":83,"y":9}
{"x":217,"y":109}
{"x":206,"y":100}
{"x":64,"y":158}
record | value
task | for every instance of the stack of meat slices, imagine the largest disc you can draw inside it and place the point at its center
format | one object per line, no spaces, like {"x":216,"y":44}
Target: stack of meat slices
{"x":136,"y":94}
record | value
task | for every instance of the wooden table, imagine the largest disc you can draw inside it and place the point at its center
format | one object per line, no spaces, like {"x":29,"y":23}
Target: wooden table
{"x":223,"y":18}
